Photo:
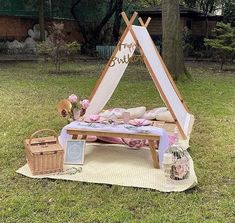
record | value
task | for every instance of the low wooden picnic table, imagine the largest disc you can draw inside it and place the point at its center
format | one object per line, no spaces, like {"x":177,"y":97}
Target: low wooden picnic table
{"x":152,"y":138}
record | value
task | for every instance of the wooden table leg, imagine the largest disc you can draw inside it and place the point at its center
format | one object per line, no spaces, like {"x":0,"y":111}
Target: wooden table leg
{"x":74,"y":136}
{"x":154,"y":155}
{"x":84,"y":137}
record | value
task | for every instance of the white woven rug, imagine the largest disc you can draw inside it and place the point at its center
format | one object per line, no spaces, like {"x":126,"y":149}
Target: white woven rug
{"x":119,"y":165}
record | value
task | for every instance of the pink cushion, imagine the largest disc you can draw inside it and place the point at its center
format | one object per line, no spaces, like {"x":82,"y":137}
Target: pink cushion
{"x":89,"y":138}
{"x":137,"y":143}
{"x":113,"y":140}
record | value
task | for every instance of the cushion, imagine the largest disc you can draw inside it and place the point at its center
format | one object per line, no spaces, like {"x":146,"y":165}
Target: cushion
{"x":165,"y":116}
{"x":118,"y":112}
{"x":112,"y":140}
{"x":137,"y":112}
{"x":89,"y":138}
{"x":151,"y":114}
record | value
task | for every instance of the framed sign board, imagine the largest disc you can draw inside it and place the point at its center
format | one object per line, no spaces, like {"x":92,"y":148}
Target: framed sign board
{"x":74,"y":153}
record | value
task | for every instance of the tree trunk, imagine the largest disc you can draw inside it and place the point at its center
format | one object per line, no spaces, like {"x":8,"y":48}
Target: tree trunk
{"x":117,"y":21}
{"x":41,"y":20}
{"x":172,"y":38}
{"x":81,"y":26}
{"x":222,"y":63}
{"x":106,"y":18}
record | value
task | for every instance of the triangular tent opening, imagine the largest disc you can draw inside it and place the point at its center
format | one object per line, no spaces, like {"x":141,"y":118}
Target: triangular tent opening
{"x":132,"y":37}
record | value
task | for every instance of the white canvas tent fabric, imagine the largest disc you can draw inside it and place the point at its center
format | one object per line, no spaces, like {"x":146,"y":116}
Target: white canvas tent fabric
{"x":111,"y":78}
{"x":158,"y":72}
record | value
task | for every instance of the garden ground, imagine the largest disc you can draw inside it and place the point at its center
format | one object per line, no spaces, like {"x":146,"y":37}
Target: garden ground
{"x":28,"y":97}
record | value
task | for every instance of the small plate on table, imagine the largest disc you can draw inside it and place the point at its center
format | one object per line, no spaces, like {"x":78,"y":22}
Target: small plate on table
{"x":140,"y":122}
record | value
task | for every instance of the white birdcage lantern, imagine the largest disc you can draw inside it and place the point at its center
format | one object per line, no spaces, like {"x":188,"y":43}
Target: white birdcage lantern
{"x":175,"y":161}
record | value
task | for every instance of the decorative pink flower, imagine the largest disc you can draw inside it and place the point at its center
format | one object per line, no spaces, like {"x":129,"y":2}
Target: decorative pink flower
{"x":73,"y":98}
{"x":139,"y":122}
{"x":85,"y":103}
{"x":181,"y":168}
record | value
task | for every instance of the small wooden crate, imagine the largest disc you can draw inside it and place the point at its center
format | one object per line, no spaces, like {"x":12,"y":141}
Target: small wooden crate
{"x":44,"y":155}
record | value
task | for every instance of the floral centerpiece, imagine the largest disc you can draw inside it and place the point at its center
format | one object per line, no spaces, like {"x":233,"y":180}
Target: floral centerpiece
{"x":71,"y":109}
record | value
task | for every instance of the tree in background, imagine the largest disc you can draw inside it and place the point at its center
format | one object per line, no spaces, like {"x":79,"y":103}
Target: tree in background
{"x":41,"y":19}
{"x":148,"y":3}
{"x":207,"y":6}
{"x":229,"y":12}
{"x":91,"y":17}
{"x":55,"y":47}
{"x":117,"y":21}
{"x":172,"y":38}
{"x":224,"y":43}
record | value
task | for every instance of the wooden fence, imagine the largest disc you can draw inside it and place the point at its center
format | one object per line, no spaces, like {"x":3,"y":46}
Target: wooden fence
{"x":105,"y":52}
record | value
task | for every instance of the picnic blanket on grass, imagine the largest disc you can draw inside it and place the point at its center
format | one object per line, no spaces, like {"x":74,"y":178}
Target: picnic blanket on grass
{"x":119,"y":165}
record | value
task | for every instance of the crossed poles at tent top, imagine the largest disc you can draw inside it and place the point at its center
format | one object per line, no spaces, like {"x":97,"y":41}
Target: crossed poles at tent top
{"x":129,"y":23}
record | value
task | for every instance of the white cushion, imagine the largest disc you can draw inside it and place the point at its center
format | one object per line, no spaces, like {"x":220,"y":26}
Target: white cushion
{"x":118,"y":112}
{"x":151,"y":114}
{"x":137,"y":112}
{"x":165,"y":116}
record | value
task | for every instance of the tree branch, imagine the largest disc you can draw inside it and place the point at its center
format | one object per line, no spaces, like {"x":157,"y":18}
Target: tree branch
{"x":82,"y":27}
{"x":106,"y":18}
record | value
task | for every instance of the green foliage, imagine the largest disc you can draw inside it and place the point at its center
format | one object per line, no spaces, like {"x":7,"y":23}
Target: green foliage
{"x":145,"y":3}
{"x":91,"y":12}
{"x":229,"y":12}
{"x":223,"y":43}
{"x":53,"y":8}
{"x":56,"y":47}
{"x":207,"y":6}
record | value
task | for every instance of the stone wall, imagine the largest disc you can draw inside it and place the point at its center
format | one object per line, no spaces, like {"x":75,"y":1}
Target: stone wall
{"x":16,"y":28}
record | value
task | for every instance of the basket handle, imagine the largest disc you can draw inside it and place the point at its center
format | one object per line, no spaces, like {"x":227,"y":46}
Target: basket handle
{"x":44,"y":130}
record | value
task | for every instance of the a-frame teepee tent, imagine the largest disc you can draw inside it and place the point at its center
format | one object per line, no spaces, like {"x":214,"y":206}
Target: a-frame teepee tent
{"x":115,"y":68}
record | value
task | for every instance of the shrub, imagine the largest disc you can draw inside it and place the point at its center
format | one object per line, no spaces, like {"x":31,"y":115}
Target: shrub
{"x":55,"y":47}
{"x":223,"y":44}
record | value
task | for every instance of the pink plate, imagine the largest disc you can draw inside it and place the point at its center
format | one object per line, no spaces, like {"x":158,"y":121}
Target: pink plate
{"x":139,"y":122}
{"x":93,"y":119}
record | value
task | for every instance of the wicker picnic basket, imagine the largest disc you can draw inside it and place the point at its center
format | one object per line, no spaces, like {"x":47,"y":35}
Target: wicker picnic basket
{"x":44,"y":155}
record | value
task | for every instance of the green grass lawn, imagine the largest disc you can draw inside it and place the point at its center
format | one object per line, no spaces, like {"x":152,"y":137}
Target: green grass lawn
{"x":28,"y":97}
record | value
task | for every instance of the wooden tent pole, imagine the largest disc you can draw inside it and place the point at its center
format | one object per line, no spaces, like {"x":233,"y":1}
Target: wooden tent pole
{"x":146,"y":23}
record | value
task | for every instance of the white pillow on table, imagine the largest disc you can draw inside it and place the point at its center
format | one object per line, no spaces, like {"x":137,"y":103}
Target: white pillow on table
{"x":137,"y":112}
{"x":165,"y":116}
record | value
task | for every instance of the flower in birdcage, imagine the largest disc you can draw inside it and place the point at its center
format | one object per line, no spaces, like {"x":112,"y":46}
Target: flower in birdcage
{"x":181,"y":168}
